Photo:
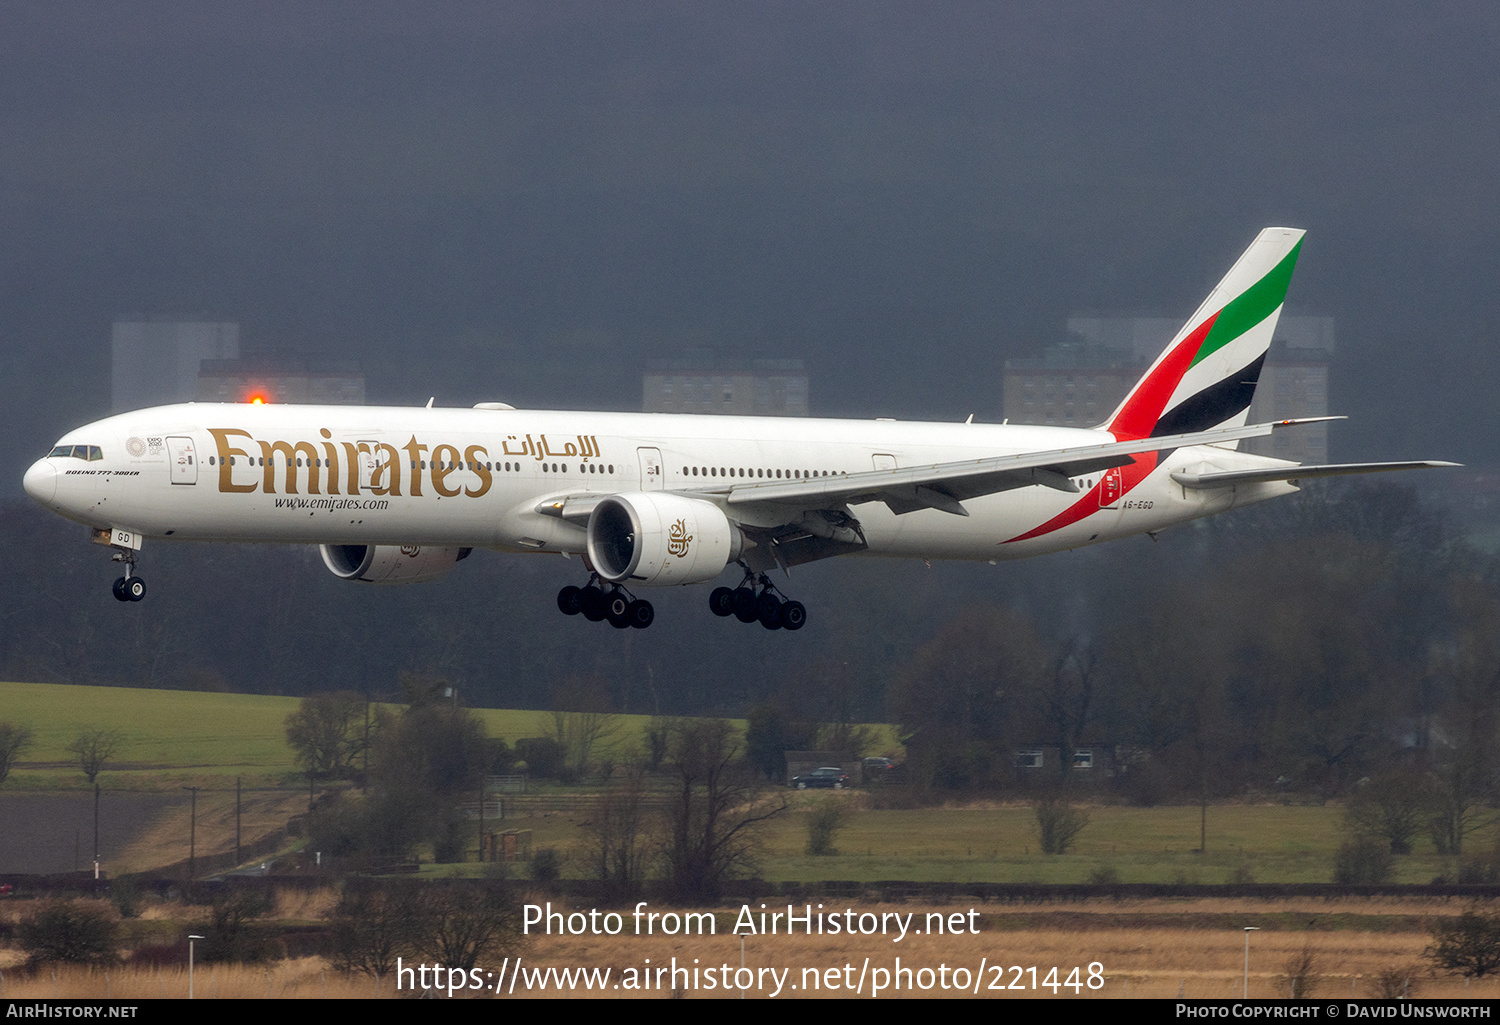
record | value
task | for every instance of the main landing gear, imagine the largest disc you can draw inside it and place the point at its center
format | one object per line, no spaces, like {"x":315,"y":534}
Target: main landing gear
{"x":616,"y":604}
{"x":129,"y":587}
{"x":765,"y":607}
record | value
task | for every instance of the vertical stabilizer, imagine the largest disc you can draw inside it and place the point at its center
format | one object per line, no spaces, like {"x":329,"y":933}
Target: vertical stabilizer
{"x":1206,"y":377}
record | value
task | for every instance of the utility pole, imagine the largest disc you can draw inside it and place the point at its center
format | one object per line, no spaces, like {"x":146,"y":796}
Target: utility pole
{"x":96,"y":832}
{"x":193,"y":835}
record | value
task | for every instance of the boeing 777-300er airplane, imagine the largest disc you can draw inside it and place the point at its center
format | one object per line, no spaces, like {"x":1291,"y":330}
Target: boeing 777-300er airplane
{"x":397,"y":495}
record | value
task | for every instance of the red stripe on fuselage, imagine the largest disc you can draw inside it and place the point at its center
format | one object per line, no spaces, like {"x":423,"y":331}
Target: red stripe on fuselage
{"x":1130,"y":476}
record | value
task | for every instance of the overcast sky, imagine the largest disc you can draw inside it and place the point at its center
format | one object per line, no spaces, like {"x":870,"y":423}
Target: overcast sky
{"x":526,"y":201}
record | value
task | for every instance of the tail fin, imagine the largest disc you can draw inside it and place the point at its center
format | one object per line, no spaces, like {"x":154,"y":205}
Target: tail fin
{"x":1206,"y":377}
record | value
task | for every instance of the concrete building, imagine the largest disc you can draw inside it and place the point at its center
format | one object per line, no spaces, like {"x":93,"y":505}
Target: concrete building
{"x":286,"y":378}
{"x":1079,"y":383}
{"x":707,"y":384}
{"x":154,"y":360}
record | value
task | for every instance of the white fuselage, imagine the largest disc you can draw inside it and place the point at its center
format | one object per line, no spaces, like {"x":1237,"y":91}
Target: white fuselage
{"x":475,"y":477}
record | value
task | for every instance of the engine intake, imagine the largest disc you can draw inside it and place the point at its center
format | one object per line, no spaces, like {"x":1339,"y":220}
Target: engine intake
{"x":653,"y":539}
{"x":390,"y":564}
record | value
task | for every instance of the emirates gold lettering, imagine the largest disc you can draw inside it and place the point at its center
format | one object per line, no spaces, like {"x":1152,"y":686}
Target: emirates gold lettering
{"x":291,"y":452}
{"x":415,"y":450}
{"x":477,"y":455}
{"x":443,"y":457}
{"x":333,"y":461}
{"x":353,"y":455}
{"x":385,"y":478}
{"x":227,"y":452}
{"x":374,"y":467}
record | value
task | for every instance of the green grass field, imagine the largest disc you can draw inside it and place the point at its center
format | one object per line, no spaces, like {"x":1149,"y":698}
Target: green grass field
{"x":177,"y":737}
{"x":1273,"y":843}
{"x":173,"y":736}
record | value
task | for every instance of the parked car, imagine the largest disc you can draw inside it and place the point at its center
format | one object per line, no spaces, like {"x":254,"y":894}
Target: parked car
{"x":827,"y":776}
{"x":878,"y":763}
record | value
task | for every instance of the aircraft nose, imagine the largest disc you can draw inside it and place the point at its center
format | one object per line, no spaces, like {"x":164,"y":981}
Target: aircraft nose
{"x":41,"y":481}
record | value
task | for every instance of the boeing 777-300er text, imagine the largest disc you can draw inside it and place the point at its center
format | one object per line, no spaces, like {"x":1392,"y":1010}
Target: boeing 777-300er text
{"x":397,"y":495}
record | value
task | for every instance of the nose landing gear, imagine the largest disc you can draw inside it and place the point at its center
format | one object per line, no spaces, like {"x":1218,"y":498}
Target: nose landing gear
{"x":595,"y":603}
{"x":129,"y":587}
{"x":768,"y":606}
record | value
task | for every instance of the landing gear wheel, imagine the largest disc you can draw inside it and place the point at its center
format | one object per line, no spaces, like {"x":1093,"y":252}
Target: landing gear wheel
{"x":568,"y":600}
{"x":591,"y":604}
{"x":617,"y":609}
{"x":768,"y":606}
{"x":721,"y":602}
{"x":119,"y":590}
{"x":135,"y":589}
{"x":793,"y":615}
{"x":640,"y":614}
{"x":746,"y":608}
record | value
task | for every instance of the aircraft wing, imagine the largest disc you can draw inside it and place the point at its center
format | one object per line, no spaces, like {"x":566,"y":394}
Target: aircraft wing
{"x":1201,"y":481}
{"x":945,"y":486}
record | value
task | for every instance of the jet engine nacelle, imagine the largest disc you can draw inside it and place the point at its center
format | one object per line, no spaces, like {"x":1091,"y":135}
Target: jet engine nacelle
{"x":389,"y":564}
{"x":655,"y":539}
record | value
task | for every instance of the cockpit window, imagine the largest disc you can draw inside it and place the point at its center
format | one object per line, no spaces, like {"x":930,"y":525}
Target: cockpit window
{"x":91,"y":453}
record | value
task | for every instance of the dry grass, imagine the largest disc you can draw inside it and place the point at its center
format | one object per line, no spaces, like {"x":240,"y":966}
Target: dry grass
{"x":1192,"y":957}
{"x":303,"y":979}
{"x":1138,"y":964}
{"x":1158,"y":963}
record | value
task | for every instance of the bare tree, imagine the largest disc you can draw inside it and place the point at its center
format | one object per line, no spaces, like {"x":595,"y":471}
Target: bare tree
{"x":1467,"y":946}
{"x":823,"y":825}
{"x":329,"y":732}
{"x":375,"y":923}
{"x":468,"y":923}
{"x":1058,"y":824}
{"x":93,"y":748}
{"x":715,"y":807}
{"x":616,"y":834}
{"x":13,"y":740}
{"x":1301,"y":972}
{"x":1065,"y":695}
{"x":582,"y":720}
{"x":455,"y":922}
{"x":1390,"y":808}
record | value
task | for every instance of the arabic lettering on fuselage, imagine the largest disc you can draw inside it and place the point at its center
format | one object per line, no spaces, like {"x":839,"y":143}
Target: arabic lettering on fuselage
{"x":370,"y":467}
{"x":587,"y":448}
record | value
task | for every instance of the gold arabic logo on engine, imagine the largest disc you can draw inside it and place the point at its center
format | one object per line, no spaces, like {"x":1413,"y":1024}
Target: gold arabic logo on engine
{"x":678,"y":539}
{"x":411,"y":551}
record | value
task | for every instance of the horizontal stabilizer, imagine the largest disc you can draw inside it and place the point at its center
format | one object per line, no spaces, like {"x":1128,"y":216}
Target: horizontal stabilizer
{"x":1198,"y":481}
